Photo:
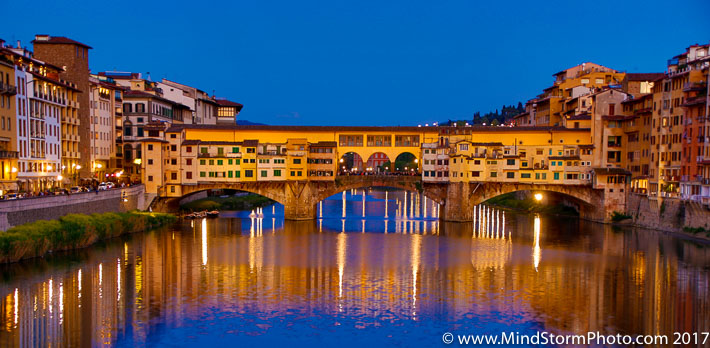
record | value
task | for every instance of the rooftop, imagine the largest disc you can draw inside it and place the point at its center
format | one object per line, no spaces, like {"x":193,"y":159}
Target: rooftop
{"x":60,"y":40}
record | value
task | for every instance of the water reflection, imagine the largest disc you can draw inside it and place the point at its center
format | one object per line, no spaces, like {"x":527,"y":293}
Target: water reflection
{"x":405,"y":281}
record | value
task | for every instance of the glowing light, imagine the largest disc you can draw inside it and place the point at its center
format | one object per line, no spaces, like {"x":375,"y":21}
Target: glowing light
{"x":137,"y":161}
{"x":536,"y":248}
{"x":14,"y":170}
{"x":60,"y":178}
{"x":204,"y":241}
{"x":538,"y":196}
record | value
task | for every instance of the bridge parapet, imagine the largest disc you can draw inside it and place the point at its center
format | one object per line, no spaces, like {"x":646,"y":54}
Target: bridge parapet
{"x":458,"y":198}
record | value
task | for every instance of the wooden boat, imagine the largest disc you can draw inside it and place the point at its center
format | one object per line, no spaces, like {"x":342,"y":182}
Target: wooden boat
{"x":213,"y":213}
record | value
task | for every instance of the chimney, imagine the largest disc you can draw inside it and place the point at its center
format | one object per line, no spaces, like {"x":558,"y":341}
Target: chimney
{"x":2,"y":43}
{"x":18,"y":44}
{"x":41,"y":37}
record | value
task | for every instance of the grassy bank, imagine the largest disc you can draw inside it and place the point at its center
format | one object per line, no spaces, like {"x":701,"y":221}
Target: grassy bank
{"x":529,"y":205}
{"x":73,"y":231}
{"x":227,"y":203}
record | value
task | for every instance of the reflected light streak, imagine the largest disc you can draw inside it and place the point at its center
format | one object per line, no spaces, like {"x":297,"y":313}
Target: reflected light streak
{"x":50,"y":295}
{"x":343,"y":203}
{"x":416,"y":259}
{"x":101,"y":278}
{"x":204,"y":239}
{"x":536,"y":249}
{"x":341,"y":252}
{"x":61,"y":303}
{"x":386,"y":202}
{"x":118,"y":279}
{"x":16,"y":305}
{"x":363,"y":203}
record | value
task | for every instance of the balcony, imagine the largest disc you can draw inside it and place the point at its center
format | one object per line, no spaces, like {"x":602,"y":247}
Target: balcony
{"x":7,"y":89}
{"x":693,"y":86}
{"x":8,"y":154}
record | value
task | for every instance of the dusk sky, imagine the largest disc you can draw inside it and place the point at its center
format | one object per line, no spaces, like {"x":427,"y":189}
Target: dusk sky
{"x":367,"y":62}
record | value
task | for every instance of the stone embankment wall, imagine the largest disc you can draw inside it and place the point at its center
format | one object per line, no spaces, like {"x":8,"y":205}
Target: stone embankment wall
{"x":18,"y":212}
{"x":668,"y":214}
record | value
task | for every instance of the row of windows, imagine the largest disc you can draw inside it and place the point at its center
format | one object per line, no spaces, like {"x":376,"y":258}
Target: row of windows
{"x":379,"y":140}
{"x":509,"y":175}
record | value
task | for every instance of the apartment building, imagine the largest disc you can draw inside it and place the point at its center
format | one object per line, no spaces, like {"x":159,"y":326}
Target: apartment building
{"x":8,"y":123}
{"x":73,"y":57}
{"x":42,"y":101}
{"x":102,"y":123}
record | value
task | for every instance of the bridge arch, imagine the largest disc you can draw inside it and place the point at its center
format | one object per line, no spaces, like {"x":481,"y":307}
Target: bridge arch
{"x":406,"y":161}
{"x":411,"y":184}
{"x":351,"y":161}
{"x":588,"y":200}
{"x":378,"y":162}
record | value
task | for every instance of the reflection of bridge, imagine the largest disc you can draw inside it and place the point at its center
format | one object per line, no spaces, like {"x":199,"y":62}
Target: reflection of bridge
{"x":458,"y":198}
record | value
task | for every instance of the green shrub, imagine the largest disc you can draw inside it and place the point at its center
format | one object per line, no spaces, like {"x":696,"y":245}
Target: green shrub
{"x":619,"y":216}
{"x":694,"y":230}
{"x":73,"y":231}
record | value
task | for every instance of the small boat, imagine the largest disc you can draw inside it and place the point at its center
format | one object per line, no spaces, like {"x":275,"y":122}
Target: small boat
{"x":213,"y":213}
{"x":190,"y":216}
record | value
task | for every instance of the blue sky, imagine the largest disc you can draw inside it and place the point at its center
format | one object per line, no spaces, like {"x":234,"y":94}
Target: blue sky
{"x":366,"y":62}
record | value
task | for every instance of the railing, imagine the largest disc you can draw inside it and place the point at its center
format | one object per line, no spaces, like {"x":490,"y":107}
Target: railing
{"x":7,"y":89}
{"x":8,"y":154}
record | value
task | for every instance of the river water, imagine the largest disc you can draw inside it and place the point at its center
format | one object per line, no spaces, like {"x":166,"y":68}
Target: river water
{"x":376,"y":267}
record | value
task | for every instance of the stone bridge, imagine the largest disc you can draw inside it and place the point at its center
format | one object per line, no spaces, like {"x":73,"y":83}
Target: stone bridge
{"x":300,"y":198}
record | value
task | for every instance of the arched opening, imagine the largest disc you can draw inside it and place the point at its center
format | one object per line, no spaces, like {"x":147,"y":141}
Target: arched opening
{"x":406,"y":163}
{"x":350,"y":163}
{"x":541,"y":201}
{"x":223,"y":200}
{"x":378,"y":163}
{"x":379,"y":209}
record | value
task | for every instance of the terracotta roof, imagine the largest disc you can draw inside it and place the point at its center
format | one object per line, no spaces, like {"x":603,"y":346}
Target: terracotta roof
{"x":611,"y":171}
{"x":203,"y":142}
{"x":250,"y":142}
{"x":153,"y":140}
{"x":57,"y":82}
{"x":644,"y":76}
{"x":580,"y":117}
{"x":617,"y":117}
{"x":178,"y":127}
{"x":563,"y":157}
{"x":324,"y":144}
{"x":60,"y":40}
{"x":225,"y":102}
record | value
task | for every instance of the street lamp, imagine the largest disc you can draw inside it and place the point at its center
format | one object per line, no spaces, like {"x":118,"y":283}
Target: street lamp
{"x":538,"y":196}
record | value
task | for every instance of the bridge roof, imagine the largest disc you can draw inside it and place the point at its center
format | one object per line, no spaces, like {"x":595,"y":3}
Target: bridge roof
{"x":179,"y":127}
{"x":611,"y":171}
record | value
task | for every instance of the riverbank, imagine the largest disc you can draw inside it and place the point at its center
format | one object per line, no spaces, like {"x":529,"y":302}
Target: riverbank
{"x":232,"y":202}
{"x":73,"y":231}
{"x":530,"y":205}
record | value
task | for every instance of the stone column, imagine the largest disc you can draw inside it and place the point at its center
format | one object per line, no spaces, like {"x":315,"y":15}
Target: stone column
{"x":300,"y":201}
{"x":458,"y":207}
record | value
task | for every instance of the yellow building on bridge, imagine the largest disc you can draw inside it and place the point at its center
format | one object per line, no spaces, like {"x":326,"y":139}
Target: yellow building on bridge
{"x":198,"y":153}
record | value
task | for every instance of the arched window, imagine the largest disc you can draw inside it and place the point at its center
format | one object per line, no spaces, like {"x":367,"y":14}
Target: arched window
{"x":127,"y":128}
{"x":127,"y":152}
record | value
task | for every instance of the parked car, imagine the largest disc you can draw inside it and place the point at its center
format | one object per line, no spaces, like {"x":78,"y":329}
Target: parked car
{"x":110,"y":185}
{"x":75,"y":189}
{"x":10,"y":196}
{"x":103,"y":187}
